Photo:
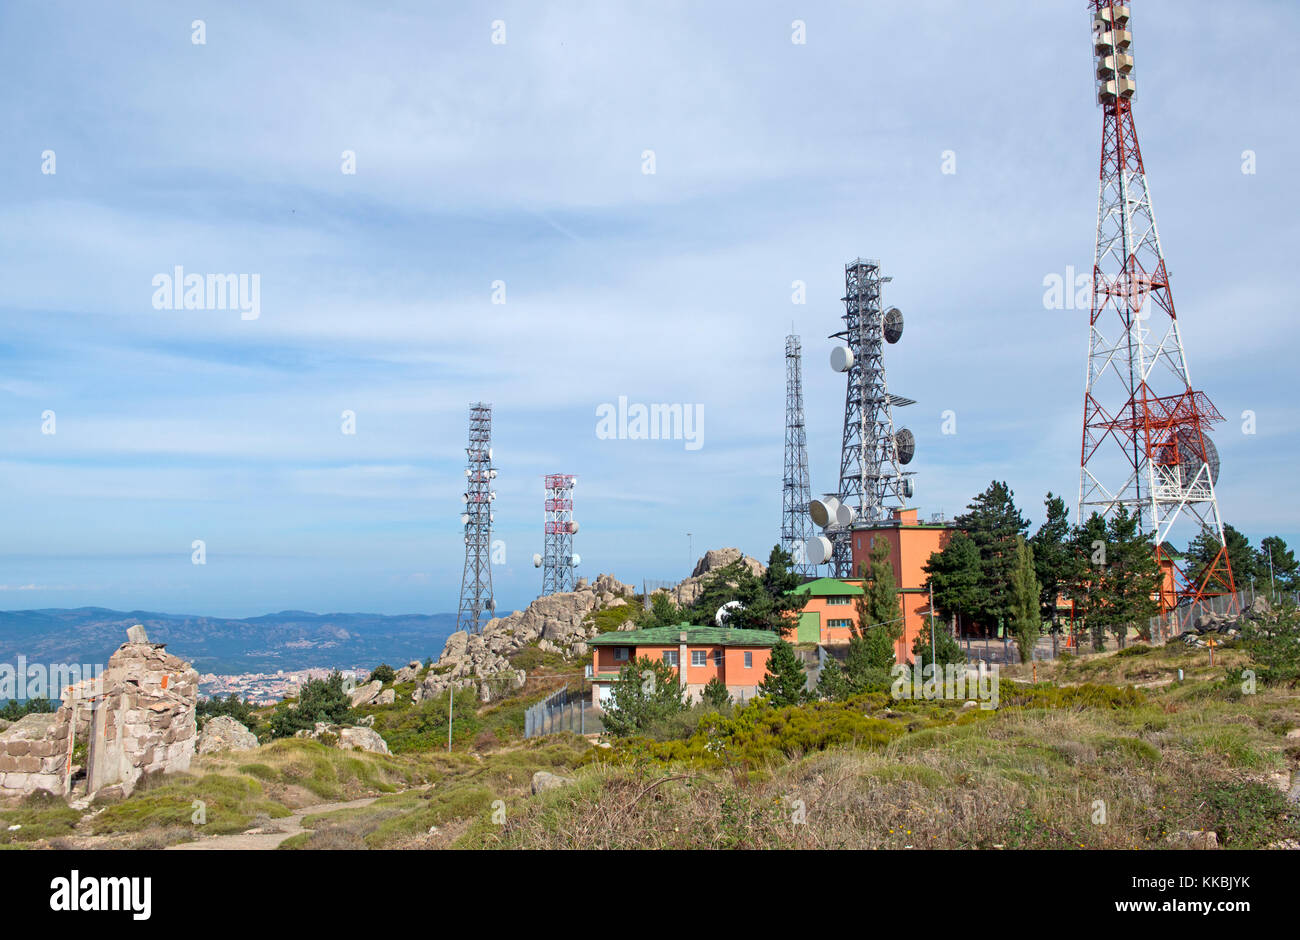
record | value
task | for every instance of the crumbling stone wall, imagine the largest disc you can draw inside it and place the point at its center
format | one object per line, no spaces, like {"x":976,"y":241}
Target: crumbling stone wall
{"x":34,"y":755}
{"x":137,"y":718}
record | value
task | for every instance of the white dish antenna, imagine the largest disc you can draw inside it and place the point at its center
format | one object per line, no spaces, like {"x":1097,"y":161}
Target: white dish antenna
{"x":725,"y":611}
{"x":577,"y":559}
{"x":845,"y":514}
{"x":464,"y":518}
{"x":842,"y":359}
{"x":537,"y":561}
{"x":818,"y":550}
{"x":823,"y":511}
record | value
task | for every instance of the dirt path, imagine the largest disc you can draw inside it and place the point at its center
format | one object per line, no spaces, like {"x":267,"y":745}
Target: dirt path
{"x":256,"y":840}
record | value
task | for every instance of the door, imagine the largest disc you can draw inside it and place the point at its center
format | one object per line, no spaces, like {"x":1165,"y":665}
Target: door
{"x":810,"y":628}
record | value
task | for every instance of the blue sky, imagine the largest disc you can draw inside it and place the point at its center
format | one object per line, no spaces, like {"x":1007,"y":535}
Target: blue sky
{"x":522,"y":162}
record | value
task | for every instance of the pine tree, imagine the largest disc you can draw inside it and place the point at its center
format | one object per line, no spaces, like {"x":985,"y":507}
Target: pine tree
{"x":833,"y":683}
{"x":785,"y":682}
{"x":1276,"y":562}
{"x":1087,"y":558}
{"x":1133,"y":577}
{"x":1052,"y":562}
{"x":948,"y":649}
{"x":993,"y":522}
{"x":955,"y":575}
{"x":878,"y":605}
{"x":645,"y":691}
{"x":715,"y":694}
{"x":1026,"y":618}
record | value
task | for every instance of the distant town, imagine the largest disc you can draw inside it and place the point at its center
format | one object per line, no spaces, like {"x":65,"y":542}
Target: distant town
{"x":266,"y":688}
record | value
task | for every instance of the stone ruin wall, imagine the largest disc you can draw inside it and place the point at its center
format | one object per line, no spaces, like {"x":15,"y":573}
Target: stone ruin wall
{"x":138,"y":718}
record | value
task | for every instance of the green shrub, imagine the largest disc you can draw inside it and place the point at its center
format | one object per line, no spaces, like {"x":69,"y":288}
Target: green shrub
{"x":382,"y":673}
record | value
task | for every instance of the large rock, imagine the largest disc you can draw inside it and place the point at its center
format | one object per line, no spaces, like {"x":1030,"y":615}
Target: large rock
{"x":366,"y":694}
{"x":544,"y":780}
{"x":362,"y":739}
{"x":689,"y":590}
{"x":223,"y":733}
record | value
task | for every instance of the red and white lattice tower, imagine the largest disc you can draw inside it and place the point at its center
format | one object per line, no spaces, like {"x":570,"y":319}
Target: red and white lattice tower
{"x":558,"y":562}
{"x":1145,"y":428}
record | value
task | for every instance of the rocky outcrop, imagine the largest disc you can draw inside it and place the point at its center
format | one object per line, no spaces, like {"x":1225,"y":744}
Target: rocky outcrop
{"x":689,"y":590}
{"x":223,"y":733}
{"x":556,"y":622}
{"x":409,"y":672}
{"x":1193,"y":839}
{"x":362,"y":739}
{"x":365,"y":694}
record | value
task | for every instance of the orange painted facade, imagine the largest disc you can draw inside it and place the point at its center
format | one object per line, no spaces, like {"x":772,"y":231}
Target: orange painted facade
{"x":911,"y":543}
{"x":727,"y":663}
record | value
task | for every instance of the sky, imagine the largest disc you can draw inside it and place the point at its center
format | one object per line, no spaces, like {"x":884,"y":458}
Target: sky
{"x":501,"y":153}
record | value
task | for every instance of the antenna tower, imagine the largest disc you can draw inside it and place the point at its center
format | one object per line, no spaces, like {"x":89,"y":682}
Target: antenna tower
{"x":796,"y":527}
{"x":476,"y":603}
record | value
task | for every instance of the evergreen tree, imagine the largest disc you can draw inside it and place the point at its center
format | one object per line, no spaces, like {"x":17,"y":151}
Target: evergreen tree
{"x":1052,"y":562}
{"x":955,"y":575}
{"x":833,"y":683}
{"x":646,"y":691}
{"x":715,"y":694}
{"x":1277,"y":563}
{"x":318,"y":700}
{"x":993,"y":522}
{"x":784,"y":683}
{"x":949,"y":651}
{"x":1087,"y":554}
{"x":662,"y":613}
{"x":1026,"y":612}
{"x":1204,"y":549}
{"x":1133,"y":577}
{"x":878,"y":605}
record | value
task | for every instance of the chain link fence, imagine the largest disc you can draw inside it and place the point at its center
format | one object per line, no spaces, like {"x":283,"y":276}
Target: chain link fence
{"x":565,"y":710}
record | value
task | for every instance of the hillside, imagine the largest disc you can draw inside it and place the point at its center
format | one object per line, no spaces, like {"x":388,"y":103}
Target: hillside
{"x":290,"y":639}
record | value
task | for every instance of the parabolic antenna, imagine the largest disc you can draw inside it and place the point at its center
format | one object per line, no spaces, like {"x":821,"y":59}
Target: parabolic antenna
{"x":844,"y":515}
{"x":842,"y":359}
{"x":725,"y":611}
{"x":577,"y":559}
{"x":909,"y":488}
{"x":893,"y":325}
{"x":1189,"y":456}
{"x":537,"y":561}
{"x":818,"y":550}
{"x":468,"y":471}
{"x":823,"y":511}
{"x":464,"y":497}
{"x":905,"y":445}
{"x":573,"y":528}
{"x":464,"y":518}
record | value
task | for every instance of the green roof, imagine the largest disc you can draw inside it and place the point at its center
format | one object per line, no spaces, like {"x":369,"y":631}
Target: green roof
{"x":695,"y":635}
{"x":827,"y":587}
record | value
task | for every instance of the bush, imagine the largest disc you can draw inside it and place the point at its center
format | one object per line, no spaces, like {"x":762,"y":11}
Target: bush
{"x":383,"y":673}
{"x":646,"y":691}
{"x":230,"y":707}
{"x":318,"y":700}
{"x":15,"y":710}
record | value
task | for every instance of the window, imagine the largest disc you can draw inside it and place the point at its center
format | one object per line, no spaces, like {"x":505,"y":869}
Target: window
{"x":620,"y":654}
{"x":699,"y":657}
{"x":839,"y":623}
{"x":749,"y":659}
{"x":670,"y":657}
{"x":717,"y":658}
{"x":832,"y":601}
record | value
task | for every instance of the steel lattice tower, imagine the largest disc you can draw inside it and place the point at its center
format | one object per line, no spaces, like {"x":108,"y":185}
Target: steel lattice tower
{"x":1145,"y":441}
{"x":871,"y":455}
{"x":558,"y":560}
{"x":476,"y":603}
{"x":796,"y":527}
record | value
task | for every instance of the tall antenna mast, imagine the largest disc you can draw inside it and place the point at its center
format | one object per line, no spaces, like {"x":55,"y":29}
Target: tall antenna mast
{"x":558,"y":561}
{"x":872,"y":454}
{"x":476,"y":603}
{"x":796,"y":527}
{"x":1145,"y":429}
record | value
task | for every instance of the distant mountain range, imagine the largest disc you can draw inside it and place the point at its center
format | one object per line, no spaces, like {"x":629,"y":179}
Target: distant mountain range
{"x":291,"y":639}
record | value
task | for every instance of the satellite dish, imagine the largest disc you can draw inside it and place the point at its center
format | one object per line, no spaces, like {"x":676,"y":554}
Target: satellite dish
{"x":904,"y":445}
{"x":1189,"y":458}
{"x":909,"y":489}
{"x":893,"y":325}
{"x":576,"y":558}
{"x":573,"y":528}
{"x":537,"y":561}
{"x":725,"y":611}
{"x":492,"y":517}
{"x":823,"y":511}
{"x":845,"y":514}
{"x":492,"y":474}
{"x":842,"y":359}
{"x":464,"y":497}
{"x":818,"y":550}
{"x":489,"y":453}
{"x":467,"y":471}
{"x":493,"y":495}
{"x":464,"y":518}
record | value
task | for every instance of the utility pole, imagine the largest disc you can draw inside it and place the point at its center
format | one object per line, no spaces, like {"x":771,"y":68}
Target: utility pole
{"x":451,"y":700}
{"x":934,"y":654}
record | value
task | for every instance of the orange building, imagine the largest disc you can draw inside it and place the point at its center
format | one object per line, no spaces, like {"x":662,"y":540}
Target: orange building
{"x":737,"y":657}
{"x":831,"y":613}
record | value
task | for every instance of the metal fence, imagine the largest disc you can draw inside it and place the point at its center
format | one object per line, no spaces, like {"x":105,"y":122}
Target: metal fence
{"x":1182,"y":619}
{"x":565,"y":710}
{"x":650,"y":585}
